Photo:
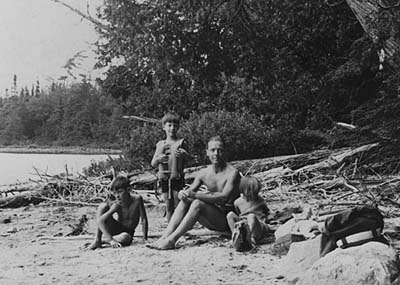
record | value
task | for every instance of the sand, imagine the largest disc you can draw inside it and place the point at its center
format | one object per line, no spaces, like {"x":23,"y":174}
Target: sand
{"x":34,"y":251}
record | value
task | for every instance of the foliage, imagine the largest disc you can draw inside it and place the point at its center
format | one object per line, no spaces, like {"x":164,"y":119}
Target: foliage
{"x":245,"y":136}
{"x":75,"y":115}
{"x":140,"y":145}
{"x":98,"y":168}
{"x":294,"y":64}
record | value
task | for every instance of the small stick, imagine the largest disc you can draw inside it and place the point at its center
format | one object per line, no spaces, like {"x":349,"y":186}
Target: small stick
{"x":355,"y":168}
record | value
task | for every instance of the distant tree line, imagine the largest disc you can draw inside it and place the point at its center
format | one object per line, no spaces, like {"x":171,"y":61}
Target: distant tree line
{"x":64,"y":115}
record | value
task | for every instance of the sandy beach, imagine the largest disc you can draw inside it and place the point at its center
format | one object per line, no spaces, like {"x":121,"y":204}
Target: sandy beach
{"x":35,"y":251}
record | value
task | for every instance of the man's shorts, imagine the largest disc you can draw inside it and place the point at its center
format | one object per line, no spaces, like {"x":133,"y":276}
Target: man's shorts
{"x":226,"y":208}
{"x":175,"y":184}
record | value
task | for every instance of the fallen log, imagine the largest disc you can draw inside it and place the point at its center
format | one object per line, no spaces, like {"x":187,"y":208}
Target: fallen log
{"x":271,"y":167}
{"x":335,"y":160}
{"x":21,"y":200}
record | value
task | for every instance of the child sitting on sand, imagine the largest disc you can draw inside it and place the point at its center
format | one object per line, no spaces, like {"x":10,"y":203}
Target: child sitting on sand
{"x":251,"y":208}
{"x":129,"y":208}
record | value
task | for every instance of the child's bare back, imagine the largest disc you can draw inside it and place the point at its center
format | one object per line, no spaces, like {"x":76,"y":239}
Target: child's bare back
{"x":257,"y":207}
{"x":251,"y":208}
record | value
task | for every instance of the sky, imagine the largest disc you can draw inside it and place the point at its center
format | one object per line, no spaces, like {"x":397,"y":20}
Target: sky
{"x":39,"y":36}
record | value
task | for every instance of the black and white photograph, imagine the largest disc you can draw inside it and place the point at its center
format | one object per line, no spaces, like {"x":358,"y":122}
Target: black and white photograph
{"x":200,"y":142}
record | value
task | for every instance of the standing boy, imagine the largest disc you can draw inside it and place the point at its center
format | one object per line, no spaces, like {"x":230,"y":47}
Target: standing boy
{"x":170,"y":157}
{"x":129,"y":208}
{"x":251,"y":208}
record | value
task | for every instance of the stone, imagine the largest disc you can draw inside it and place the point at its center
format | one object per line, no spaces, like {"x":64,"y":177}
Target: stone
{"x":284,"y":214}
{"x":300,"y":257}
{"x":12,"y":230}
{"x":370,"y":263}
{"x":281,"y":246}
{"x":297,"y":227}
{"x":6,"y":220}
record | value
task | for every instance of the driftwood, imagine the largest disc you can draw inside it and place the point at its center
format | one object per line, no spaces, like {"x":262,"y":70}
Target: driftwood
{"x":325,"y":179}
{"x":21,"y":200}
{"x":143,"y":119}
{"x":247,"y":167}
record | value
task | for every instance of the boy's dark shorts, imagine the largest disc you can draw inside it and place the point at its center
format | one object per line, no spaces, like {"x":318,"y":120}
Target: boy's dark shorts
{"x":176,"y":185}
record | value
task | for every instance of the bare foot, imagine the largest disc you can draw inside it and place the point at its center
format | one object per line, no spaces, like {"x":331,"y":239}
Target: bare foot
{"x":94,"y":245}
{"x":162,"y":244}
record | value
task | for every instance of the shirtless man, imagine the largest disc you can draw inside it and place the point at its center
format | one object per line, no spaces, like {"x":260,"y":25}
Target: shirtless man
{"x":129,"y":208}
{"x":210,"y":207}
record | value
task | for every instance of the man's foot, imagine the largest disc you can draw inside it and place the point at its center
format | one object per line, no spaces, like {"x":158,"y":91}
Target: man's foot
{"x":94,"y":245}
{"x":162,"y":244}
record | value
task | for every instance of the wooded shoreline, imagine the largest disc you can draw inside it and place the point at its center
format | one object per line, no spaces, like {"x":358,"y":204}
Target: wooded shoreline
{"x":58,"y":150}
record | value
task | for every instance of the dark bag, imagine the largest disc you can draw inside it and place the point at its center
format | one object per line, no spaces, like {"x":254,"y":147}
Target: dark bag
{"x":241,"y":237}
{"x":352,"y":227}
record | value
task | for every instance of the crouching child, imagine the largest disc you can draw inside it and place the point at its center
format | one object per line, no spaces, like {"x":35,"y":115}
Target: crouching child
{"x":250,"y":226}
{"x":128,"y":208}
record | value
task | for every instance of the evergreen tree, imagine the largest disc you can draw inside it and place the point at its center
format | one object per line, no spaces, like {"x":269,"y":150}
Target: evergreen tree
{"x":37,"y":89}
{"x":14,"y":91}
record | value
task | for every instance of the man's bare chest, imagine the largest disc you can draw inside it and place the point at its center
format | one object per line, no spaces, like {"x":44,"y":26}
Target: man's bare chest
{"x":215,"y":183}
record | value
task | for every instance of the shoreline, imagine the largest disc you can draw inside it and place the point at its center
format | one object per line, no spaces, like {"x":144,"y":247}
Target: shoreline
{"x":58,"y":150}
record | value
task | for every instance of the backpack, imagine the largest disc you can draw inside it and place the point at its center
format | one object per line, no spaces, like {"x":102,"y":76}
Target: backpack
{"x":241,"y":237}
{"x":352,"y":227}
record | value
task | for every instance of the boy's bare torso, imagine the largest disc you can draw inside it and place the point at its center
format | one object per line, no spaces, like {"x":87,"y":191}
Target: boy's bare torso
{"x":129,"y":215}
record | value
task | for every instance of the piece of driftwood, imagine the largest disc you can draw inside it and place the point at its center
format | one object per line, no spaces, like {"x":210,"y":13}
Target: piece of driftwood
{"x":336,"y":160}
{"x":22,"y":200}
{"x":143,"y":119}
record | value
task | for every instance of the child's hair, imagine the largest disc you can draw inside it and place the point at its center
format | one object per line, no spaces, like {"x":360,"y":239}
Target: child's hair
{"x":250,"y":187}
{"x":120,"y":183}
{"x":170,"y":118}
{"x":217,"y":139}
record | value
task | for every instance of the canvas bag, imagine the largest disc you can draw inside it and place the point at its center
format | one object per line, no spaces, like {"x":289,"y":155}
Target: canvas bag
{"x":348,"y":222}
{"x":241,"y":237}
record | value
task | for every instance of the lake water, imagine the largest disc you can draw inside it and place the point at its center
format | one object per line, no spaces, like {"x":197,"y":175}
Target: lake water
{"x":20,"y":167}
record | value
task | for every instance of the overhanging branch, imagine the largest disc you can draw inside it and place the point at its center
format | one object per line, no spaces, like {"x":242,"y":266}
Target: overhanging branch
{"x":83,"y":15}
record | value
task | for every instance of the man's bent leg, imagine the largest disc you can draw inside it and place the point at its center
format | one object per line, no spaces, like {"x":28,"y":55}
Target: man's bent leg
{"x":176,"y":218}
{"x":187,"y":223}
{"x":214,"y":218}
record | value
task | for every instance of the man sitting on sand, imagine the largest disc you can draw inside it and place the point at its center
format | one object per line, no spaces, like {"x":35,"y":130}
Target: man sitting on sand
{"x":210,"y":207}
{"x":129,"y":208}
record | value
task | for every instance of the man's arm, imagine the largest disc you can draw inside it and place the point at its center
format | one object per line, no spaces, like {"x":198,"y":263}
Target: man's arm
{"x":143,"y":216}
{"x":184,"y":194}
{"x":219,"y":197}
